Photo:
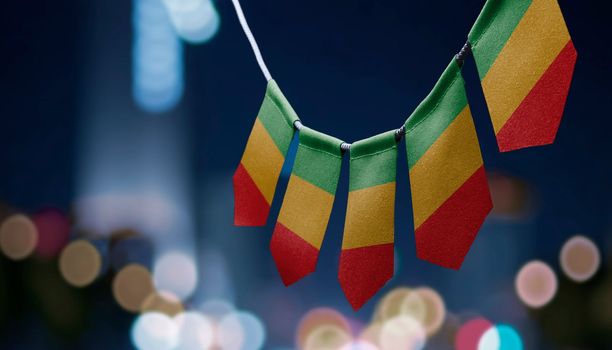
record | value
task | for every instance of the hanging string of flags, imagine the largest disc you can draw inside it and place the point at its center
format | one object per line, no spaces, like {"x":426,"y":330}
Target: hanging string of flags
{"x":525,"y":58}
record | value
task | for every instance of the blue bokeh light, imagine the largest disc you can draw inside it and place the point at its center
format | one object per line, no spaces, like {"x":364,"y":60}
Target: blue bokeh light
{"x":158,"y":80}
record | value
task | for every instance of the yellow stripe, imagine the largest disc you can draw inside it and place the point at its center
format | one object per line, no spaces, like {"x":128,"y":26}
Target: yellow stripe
{"x":306,"y":210}
{"x":263,"y":160}
{"x":369,"y":216}
{"x":446,"y":165}
{"x":539,"y":37}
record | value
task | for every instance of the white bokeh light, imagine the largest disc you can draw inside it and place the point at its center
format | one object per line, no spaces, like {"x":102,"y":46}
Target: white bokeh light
{"x":490,"y":340}
{"x":155,"y":331}
{"x":402,"y":332}
{"x":195,"y":331}
{"x":360,"y":345}
{"x":195,"y":21}
{"x":176,"y":272}
{"x":241,"y":330}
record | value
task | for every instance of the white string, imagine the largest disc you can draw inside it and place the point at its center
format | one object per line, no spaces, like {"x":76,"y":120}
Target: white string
{"x":249,"y":34}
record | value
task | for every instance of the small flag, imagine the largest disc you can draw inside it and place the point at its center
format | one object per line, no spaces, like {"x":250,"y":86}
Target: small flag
{"x":308,"y":203}
{"x":450,"y":194}
{"x":366,"y":261}
{"x":525,"y":58}
{"x":256,"y":177}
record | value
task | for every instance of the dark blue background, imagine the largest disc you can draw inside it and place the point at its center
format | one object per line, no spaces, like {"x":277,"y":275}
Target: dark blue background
{"x":350,"y":68}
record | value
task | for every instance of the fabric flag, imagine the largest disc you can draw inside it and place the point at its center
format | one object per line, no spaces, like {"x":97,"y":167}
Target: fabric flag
{"x":308,"y":202}
{"x":450,"y":194}
{"x":256,"y":177}
{"x":525,"y":59}
{"x":366,"y":261}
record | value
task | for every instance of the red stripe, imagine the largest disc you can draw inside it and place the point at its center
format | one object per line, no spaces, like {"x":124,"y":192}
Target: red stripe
{"x":250,"y":206}
{"x":363,"y":271}
{"x":536,"y":121}
{"x":446,"y":236}
{"x":294,"y":257}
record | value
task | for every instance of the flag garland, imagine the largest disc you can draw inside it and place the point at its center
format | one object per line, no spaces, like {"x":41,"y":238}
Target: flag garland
{"x":450,"y":195}
{"x":307,"y":205}
{"x":525,"y":59}
{"x":257,"y":174}
{"x":366,"y":261}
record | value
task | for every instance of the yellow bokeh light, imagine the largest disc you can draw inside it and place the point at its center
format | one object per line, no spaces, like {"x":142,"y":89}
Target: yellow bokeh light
{"x":18,"y":237}
{"x":131,"y":287}
{"x":80,"y":263}
{"x":435,"y":311}
{"x":391,"y":304}
{"x":317,"y":318}
{"x":163,"y":302}
{"x":327,"y":337}
{"x":414,"y":306}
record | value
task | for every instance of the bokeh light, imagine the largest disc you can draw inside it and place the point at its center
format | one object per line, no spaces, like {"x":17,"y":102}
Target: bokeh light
{"x":536,"y":284}
{"x":158,"y":80}
{"x":241,"y":330}
{"x":53,"y":232}
{"x":176,"y":272}
{"x":510,"y":339}
{"x":164,"y":302}
{"x":18,"y":237}
{"x":500,"y":337}
{"x":580,"y":258}
{"x":230,"y":333}
{"x":131,"y":286}
{"x":391,"y":304}
{"x":490,"y":340}
{"x":435,"y":311}
{"x":155,"y":331}
{"x":401,"y":333}
{"x":414,"y":306}
{"x":216,"y":308}
{"x":195,"y":21}
{"x":80,"y":263}
{"x":511,"y":197}
{"x":317,"y":318}
{"x":360,"y":345}
{"x":371,"y":334}
{"x":327,"y":337}
{"x":195,"y":331}
{"x":469,"y":335}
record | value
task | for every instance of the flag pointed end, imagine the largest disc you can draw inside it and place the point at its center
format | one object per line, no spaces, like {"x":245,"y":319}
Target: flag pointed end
{"x":294,"y":257}
{"x":364,"y":271}
{"x":536,"y":120}
{"x":446,"y":236}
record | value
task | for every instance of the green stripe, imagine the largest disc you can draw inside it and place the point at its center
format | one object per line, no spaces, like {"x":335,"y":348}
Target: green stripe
{"x":493,"y":28}
{"x":435,"y":113}
{"x":373,"y":161}
{"x":318,"y":159}
{"x":277,"y":116}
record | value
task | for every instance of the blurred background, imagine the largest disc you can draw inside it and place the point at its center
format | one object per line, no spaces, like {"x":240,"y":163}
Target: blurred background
{"x":122,"y":123}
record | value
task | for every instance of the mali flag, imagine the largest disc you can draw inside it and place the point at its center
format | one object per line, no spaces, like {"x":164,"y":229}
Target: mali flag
{"x":450,"y":194}
{"x":525,"y":59}
{"x":366,"y":261}
{"x":256,"y":177}
{"x":307,"y":205}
